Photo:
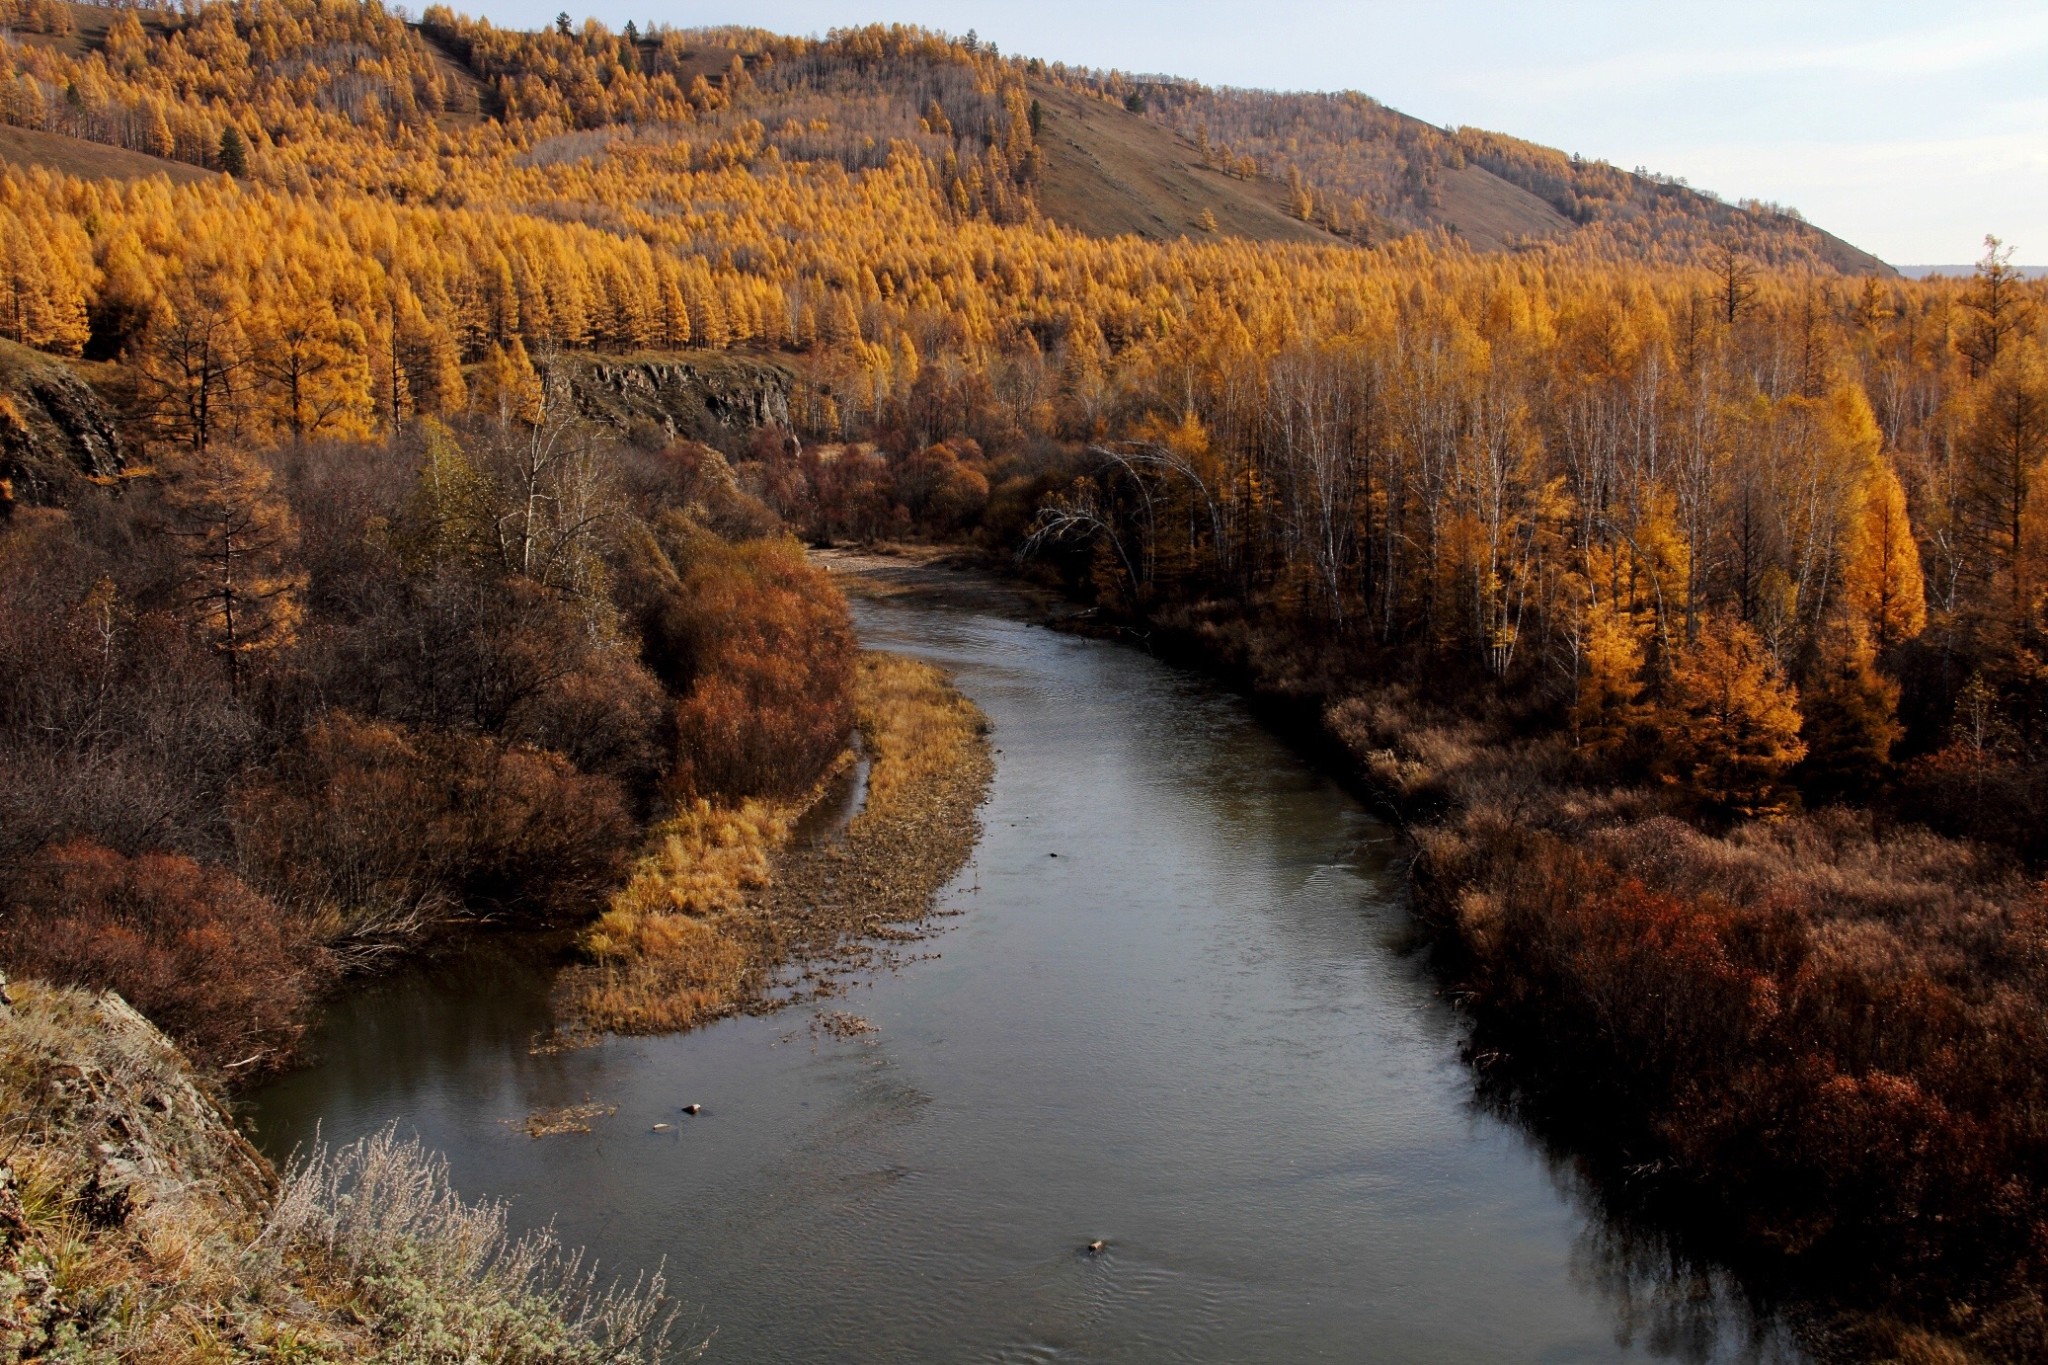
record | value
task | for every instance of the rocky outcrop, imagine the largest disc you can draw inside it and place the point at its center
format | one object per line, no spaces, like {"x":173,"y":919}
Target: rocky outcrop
{"x":55,"y":432}
{"x":709,"y":396}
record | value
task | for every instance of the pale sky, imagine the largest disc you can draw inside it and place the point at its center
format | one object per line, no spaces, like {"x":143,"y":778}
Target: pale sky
{"x":1909,"y":128}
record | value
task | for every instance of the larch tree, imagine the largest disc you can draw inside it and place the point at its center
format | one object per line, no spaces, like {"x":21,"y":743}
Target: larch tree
{"x":1727,"y":720}
{"x":195,"y":355}
{"x":239,"y":539}
{"x":311,"y":364}
{"x":2002,"y":450}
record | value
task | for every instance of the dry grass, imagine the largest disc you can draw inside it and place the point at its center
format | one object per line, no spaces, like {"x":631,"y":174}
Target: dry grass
{"x":680,"y":942}
{"x":570,"y":1118}
{"x":90,"y":160}
{"x":136,"y":1224}
{"x":918,"y":730}
{"x":719,"y":903}
{"x":1108,"y":172}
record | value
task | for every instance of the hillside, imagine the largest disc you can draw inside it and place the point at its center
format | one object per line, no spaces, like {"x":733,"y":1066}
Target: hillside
{"x":1357,"y":159}
{"x":92,"y":160}
{"x":1303,"y":168}
{"x":138,"y":1223}
{"x":1108,"y":171}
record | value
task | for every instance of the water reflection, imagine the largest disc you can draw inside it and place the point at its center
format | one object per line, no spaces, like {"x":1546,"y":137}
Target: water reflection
{"x":1193,"y":1034}
{"x":1677,"y":1306}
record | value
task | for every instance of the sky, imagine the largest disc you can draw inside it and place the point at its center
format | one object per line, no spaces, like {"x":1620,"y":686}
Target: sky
{"x":1910,"y":128}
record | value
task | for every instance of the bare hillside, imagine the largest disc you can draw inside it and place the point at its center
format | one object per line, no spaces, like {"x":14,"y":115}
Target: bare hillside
{"x":94,"y":160}
{"x":1107,"y":171}
{"x":1490,"y":213}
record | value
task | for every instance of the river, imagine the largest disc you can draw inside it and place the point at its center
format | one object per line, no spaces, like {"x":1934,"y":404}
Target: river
{"x":1177,"y":1014}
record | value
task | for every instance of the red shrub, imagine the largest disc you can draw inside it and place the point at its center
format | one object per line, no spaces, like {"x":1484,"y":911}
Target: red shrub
{"x":384,"y":829}
{"x":208,"y":959}
{"x":760,"y":645}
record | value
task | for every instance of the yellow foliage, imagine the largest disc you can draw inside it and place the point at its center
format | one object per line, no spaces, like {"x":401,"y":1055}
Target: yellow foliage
{"x":1881,"y":573}
{"x":1728,"y":723}
{"x":1610,"y":678}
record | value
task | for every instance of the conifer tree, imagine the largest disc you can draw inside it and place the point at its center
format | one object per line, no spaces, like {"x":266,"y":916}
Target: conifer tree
{"x":234,"y":152}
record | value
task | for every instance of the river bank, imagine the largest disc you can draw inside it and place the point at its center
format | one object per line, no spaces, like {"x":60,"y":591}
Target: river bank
{"x":1750,"y":1036}
{"x":727,"y":912}
{"x":138,"y":1223}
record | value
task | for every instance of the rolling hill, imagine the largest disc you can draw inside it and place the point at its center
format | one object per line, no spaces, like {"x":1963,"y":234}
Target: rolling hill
{"x":1114,"y":155}
{"x":1109,"y":171}
{"x":1354,"y":160}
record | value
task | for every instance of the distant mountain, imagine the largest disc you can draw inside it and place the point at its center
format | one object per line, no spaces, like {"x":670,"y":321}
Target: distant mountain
{"x":1925,"y":272}
{"x":1107,"y":153}
{"x":1357,"y":167}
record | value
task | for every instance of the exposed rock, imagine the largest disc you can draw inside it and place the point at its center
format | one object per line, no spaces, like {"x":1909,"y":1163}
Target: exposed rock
{"x":54,"y":430}
{"x":709,"y":396}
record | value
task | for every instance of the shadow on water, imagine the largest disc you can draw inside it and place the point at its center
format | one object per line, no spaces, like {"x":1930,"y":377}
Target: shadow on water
{"x":1197,"y":1034}
{"x":844,"y":795}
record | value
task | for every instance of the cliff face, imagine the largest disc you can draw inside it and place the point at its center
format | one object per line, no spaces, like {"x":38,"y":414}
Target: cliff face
{"x":710,"y":396}
{"x":119,"y":1169}
{"x":54,"y":430}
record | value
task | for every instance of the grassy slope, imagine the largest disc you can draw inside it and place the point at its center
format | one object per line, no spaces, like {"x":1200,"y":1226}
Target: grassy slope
{"x":1486,"y":210}
{"x":1109,"y":172}
{"x":89,"y":160}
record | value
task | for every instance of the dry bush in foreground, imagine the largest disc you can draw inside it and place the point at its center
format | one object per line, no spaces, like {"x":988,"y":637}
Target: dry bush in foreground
{"x":136,"y":1224}
{"x":446,"y":1280}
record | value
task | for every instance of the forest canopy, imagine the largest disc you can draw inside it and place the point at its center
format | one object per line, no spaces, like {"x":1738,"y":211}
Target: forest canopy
{"x":1681,"y":573}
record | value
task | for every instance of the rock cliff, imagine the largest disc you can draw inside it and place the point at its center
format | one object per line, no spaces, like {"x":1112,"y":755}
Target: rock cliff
{"x":54,"y":429}
{"x":710,"y":396}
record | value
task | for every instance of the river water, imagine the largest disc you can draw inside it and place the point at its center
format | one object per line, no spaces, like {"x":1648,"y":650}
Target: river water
{"x":1194,"y":1033}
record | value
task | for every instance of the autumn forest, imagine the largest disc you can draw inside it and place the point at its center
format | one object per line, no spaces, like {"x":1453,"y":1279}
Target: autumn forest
{"x":1676,"y":574}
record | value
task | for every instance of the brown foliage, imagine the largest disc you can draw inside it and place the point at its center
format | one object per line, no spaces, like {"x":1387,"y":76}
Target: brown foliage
{"x":211,"y":961}
{"x":380,"y":830}
{"x":758,"y":645}
{"x":1820,"y":1046}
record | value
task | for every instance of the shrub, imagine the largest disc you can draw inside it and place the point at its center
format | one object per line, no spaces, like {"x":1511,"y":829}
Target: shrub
{"x":384,"y":830}
{"x":444,"y":1280}
{"x":759,"y":645}
{"x":208,"y":959}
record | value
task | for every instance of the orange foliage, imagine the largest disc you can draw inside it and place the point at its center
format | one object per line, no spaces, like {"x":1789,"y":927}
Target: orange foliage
{"x":1727,"y":724}
{"x":760,"y":648}
{"x":207,"y":958}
